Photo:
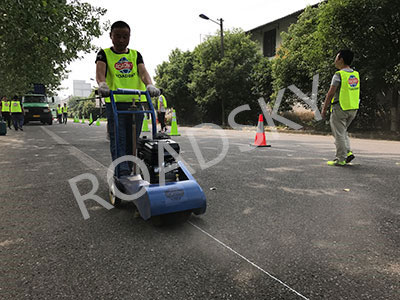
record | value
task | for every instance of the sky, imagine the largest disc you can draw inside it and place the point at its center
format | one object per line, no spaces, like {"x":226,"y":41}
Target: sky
{"x":159,"y":26}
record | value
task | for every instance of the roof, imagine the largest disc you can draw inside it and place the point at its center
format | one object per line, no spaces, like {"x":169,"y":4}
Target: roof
{"x":295,"y":14}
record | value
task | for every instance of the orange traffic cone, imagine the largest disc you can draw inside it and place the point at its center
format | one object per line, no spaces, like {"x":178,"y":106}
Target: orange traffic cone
{"x":260,"y":140}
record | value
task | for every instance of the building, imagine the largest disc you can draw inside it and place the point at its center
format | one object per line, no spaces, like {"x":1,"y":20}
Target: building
{"x":268,"y":36}
{"x":81,"y":88}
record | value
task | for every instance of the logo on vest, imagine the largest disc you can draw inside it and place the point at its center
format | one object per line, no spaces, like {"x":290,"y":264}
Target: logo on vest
{"x":123,"y":65}
{"x":353,"y":81}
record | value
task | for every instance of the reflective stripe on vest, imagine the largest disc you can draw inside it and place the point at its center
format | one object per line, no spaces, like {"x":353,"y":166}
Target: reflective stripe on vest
{"x":122,"y":72}
{"x":5,"y":106}
{"x":163,"y":100}
{"x":16,"y":107}
{"x":349,"y":95}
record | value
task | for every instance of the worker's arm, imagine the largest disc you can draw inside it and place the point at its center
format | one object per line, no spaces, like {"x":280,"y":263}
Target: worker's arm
{"x":328,"y":99}
{"x":144,"y":75}
{"x":101,"y":68}
{"x":101,"y":71}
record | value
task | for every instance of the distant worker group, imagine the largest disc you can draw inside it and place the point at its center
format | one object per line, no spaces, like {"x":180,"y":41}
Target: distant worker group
{"x":62,"y":114}
{"x":13,"y":111}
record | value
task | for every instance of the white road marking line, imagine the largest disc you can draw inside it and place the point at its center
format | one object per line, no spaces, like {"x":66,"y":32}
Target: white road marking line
{"x":87,"y":160}
{"x":101,"y":170}
{"x":249,"y":261}
{"x":10,"y":242}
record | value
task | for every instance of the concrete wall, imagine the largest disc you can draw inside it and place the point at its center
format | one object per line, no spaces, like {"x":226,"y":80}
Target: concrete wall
{"x":281,"y":25}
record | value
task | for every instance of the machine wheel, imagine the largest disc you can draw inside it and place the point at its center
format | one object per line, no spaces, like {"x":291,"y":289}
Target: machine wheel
{"x":50,"y":122}
{"x":114,"y":200}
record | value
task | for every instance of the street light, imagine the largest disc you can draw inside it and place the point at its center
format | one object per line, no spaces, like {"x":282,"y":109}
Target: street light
{"x":220,"y":23}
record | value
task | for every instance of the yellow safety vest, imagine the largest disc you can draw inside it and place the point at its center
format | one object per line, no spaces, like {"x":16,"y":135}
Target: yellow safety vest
{"x":65,"y":109}
{"x":59,"y":110}
{"x":16,"y":107}
{"x":5,"y":106}
{"x":164,"y":102}
{"x":349,"y":95}
{"x":122,"y":72}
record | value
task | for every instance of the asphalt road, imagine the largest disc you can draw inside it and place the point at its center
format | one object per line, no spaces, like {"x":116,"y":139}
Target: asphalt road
{"x":280,"y":223}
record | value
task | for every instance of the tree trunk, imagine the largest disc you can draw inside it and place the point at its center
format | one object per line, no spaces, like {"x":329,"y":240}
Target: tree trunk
{"x":394,"y":124}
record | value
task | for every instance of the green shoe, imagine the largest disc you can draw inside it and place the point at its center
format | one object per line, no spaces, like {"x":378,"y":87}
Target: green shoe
{"x":350,"y":157}
{"x":336,"y":162}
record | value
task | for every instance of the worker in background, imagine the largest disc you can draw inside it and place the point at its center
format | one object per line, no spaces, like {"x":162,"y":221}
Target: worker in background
{"x":17,"y":113}
{"x":65,"y":113}
{"x":59,"y":114}
{"x":122,"y":67}
{"x":5,"y":110}
{"x":161,"y":109}
{"x":344,"y":98}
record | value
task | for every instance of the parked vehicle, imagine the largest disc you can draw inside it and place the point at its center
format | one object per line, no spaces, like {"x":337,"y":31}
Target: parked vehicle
{"x":36,"y":106}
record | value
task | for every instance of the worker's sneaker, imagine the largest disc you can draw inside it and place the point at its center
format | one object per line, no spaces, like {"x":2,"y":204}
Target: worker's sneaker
{"x":350,"y":157}
{"x":336,"y":162}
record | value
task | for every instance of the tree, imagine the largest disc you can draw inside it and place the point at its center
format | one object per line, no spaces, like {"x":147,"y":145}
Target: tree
{"x":174,"y":78}
{"x":373,"y":33}
{"x":300,"y":57}
{"x":38,"y":39}
{"x":84,"y":107}
{"x":229,"y":79}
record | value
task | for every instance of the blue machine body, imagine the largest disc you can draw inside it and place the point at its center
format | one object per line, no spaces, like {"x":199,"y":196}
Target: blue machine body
{"x":182,"y":195}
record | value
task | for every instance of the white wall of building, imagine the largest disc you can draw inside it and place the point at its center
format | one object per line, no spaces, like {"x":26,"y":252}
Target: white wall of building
{"x":81,"y":88}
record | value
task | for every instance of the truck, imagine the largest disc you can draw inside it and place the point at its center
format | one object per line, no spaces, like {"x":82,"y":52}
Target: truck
{"x":36,"y":106}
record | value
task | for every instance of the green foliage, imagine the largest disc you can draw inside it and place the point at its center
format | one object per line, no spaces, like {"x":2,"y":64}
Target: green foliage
{"x":229,"y":79}
{"x":373,"y":33}
{"x":195,"y":83}
{"x":262,"y":79}
{"x":38,"y":39}
{"x":371,"y":28}
{"x":83,"y":108}
{"x":301,"y":56}
{"x":174,"y":78}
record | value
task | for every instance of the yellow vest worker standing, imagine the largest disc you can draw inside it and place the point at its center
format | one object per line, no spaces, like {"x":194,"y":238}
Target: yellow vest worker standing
{"x":65,"y":113}
{"x":344,"y":96}
{"x":59,"y":113}
{"x":5,"y":111}
{"x":161,"y":109}
{"x":121,"y":67}
{"x":17,"y":113}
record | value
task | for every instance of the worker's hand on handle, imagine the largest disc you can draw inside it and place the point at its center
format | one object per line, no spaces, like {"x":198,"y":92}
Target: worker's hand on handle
{"x":153,"y":91}
{"x":104,"y":90}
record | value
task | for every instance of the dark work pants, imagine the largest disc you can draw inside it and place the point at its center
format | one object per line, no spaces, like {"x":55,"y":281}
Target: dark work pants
{"x":125,"y":139}
{"x":18,"y":120}
{"x":65,"y":118}
{"x":7,"y":118}
{"x":161,"y":119}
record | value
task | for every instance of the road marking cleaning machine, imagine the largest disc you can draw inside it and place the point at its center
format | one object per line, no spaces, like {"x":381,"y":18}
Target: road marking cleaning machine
{"x":163,"y":189}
